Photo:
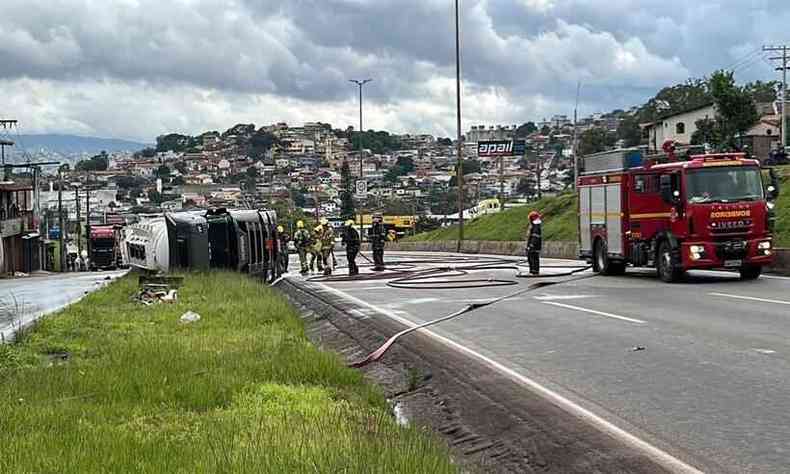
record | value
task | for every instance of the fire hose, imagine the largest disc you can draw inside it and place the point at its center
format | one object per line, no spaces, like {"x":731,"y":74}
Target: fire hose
{"x":379,"y":353}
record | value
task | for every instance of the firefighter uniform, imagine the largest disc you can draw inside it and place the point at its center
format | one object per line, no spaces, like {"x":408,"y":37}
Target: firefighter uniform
{"x":534,"y":242}
{"x":378,"y":237}
{"x":302,"y":241}
{"x":327,"y":245}
{"x":282,"y":250}
{"x":316,"y":260}
{"x":351,"y":241}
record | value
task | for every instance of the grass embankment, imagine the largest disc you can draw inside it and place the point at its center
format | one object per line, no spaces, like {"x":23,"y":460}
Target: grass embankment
{"x":242,"y":390}
{"x":559,"y":220}
{"x":559,"y":214}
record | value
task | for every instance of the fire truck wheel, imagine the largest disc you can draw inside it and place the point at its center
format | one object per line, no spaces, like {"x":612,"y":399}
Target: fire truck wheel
{"x":667,"y":270}
{"x":602,"y":263}
{"x":751,"y":273}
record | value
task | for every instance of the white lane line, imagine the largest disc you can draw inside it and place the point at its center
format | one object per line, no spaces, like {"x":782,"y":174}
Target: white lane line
{"x":750,"y":298}
{"x":562,"y":297}
{"x":599,"y":313}
{"x":654,"y":453}
{"x":764,"y":351}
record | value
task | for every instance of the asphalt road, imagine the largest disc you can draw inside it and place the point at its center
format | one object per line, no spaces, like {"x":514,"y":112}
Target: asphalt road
{"x":700,"y":370}
{"x":22,"y":300}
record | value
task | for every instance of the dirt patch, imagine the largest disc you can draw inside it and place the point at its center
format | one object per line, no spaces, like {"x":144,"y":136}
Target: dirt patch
{"x":491,"y":423}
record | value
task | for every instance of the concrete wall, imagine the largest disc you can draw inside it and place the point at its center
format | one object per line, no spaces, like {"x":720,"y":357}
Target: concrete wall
{"x":551,"y":249}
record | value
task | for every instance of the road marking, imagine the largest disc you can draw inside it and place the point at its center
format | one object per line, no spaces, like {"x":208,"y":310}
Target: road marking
{"x":563,"y":297}
{"x":599,"y":313}
{"x":750,"y":298}
{"x":654,"y":453}
{"x":764,"y":351}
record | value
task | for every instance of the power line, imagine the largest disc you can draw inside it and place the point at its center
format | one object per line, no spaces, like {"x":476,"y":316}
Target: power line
{"x":783,"y":98}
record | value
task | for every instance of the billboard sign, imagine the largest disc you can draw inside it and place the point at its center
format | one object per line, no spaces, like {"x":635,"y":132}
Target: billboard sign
{"x":492,"y":148}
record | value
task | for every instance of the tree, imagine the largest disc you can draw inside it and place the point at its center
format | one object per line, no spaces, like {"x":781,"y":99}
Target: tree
{"x":347,"y":210}
{"x":261,"y":143}
{"x":403,"y":166}
{"x":595,"y":140}
{"x":377,"y":142}
{"x":470,"y":166}
{"x":65,"y":168}
{"x":175,"y":142}
{"x":298,"y":196}
{"x":527,"y":129}
{"x":148,"y":152}
{"x":735,"y":109}
{"x":444,"y":141}
{"x":252,"y":172}
{"x":628,"y":130}
{"x":545,"y":130}
{"x":178,"y":181}
{"x":98,"y":162}
{"x":162,"y":172}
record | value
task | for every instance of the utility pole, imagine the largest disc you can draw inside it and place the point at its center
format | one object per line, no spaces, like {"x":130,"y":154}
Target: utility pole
{"x":575,"y":119}
{"x":538,"y":171}
{"x":60,"y":221}
{"x":459,"y":143}
{"x":783,"y":97}
{"x":502,"y":182}
{"x":79,"y":223}
{"x":88,"y":214}
{"x":360,"y":84}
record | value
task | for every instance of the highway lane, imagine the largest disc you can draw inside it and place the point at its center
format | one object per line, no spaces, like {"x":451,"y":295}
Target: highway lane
{"x":23,"y":300}
{"x":709,"y":386}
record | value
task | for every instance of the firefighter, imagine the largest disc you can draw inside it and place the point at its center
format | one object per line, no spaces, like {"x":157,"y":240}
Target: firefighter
{"x":282,"y":253}
{"x":327,"y":245}
{"x":302,"y":241}
{"x":392,"y":237}
{"x":378,"y":237}
{"x":534,"y":242}
{"x":351,"y":241}
{"x":315,"y":250}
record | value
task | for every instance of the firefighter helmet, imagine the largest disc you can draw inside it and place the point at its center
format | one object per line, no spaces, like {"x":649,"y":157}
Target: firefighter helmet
{"x":534,"y":215}
{"x":349,"y":223}
{"x":300,"y":224}
{"x":280,"y":229}
{"x":324,"y":221}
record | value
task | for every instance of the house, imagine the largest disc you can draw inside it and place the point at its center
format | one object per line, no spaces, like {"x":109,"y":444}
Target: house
{"x":19,"y":250}
{"x":678,"y":127}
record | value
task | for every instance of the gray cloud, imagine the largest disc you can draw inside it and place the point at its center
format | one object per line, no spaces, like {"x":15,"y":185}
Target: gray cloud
{"x":92,"y":67}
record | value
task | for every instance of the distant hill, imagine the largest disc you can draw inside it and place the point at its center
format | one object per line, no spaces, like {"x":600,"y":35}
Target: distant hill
{"x":73,"y":144}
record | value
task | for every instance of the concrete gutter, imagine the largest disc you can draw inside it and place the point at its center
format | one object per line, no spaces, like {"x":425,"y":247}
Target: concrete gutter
{"x":551,"y":249}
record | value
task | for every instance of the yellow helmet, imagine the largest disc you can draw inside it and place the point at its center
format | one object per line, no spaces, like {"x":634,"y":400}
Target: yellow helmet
{"x":280,"y":229}
{"x":324,"y":221}
{"x":300,"y":224}
{"x":349,"y":223}
{"x":318,"y":228}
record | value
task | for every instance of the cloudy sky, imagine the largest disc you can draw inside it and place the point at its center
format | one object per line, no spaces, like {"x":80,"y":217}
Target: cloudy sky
{"x":139,"y":68}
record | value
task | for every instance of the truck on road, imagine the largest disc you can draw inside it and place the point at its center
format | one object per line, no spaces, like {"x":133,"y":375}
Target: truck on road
{"x":105,"y":247}
{"x":704,"y":212}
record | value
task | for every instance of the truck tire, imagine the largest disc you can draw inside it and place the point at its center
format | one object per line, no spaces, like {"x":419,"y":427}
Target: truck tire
{"x":602,"y":263}
{"x":665,"y":264}
{"x":751,"y":272}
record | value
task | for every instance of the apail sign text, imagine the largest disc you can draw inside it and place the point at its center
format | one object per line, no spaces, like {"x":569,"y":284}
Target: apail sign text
{"x":500,"y":148}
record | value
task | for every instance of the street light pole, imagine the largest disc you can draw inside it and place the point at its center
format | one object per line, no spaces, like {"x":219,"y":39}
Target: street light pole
{"x":360,"y":84}
{"x":575,"y":118}
{"x":459,"y":144}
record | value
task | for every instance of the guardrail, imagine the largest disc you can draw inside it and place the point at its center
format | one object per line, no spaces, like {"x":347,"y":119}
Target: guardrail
{"x":551,"y":249}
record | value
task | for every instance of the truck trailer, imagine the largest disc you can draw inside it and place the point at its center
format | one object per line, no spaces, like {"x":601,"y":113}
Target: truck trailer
{"x":712,"y":211}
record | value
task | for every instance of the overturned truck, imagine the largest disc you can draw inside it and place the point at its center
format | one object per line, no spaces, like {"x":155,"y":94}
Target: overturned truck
{"x":239,"y":240}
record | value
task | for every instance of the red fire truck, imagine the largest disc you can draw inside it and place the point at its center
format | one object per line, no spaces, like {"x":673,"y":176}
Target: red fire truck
{"x":105,"y":247}
{"x":705,"y":212}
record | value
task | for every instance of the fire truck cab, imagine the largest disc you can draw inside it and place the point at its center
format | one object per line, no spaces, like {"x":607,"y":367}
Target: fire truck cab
{"x":706,"y":212}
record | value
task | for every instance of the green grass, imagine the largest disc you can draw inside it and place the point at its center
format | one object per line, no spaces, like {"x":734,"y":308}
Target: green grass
{"x":242,"y":390}
{"x":783,"y":210}
{"x":559,"y":223}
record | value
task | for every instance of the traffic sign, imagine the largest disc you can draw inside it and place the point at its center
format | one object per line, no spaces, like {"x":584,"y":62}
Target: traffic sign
{"x":362,"y":188}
